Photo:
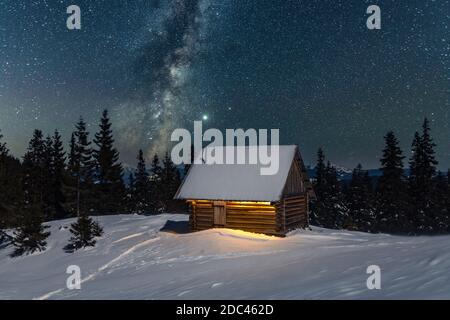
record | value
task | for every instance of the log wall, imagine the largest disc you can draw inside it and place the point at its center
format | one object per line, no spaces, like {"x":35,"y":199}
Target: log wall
{"x":294,"y":210}
{"x":269,"y":218}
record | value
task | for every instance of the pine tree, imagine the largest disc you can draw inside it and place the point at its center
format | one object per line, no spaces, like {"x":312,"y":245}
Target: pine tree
{"x":334,"y":200}
{"x":3,"y":149}
{"x":30,"y":235}
{"x":320,"y":172}
{"x":54,"y":163}
{"x":170,"y":180}
{"x":391,"y":194}
{"x":130,"y":192}
{"x":447,"y":222}
{"x":34,"y":162}
{"x":47,"y":180}
{"x":317,"y":207}
{"x":83,"y":153}
{"x":141,"y":186}
{"x":359,"y":201}
{"x":442,"y":203}
{"x":329,"y":209}
{"x":10,"y":190}
{"x":3,"y":225}
{"x":83,"y":231}
{"x":156,"y":185}
{"x":81,"y":168}
{"x":421,"y":181}
{"x":73,"y":159}
{"x":97,"y":229}
{"x":110,"y":187}
{"x":59,"y":159}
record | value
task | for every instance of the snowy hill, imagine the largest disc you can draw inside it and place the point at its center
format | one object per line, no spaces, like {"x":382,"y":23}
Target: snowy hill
{"x":135,"y":260}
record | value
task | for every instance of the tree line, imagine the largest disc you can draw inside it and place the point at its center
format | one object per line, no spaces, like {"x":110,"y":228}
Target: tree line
{"x":50,"y":183}
{"x":401,"y":201}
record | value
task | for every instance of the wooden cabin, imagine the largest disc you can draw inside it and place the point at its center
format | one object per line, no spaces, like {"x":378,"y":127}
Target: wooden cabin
{"x":237,"y":196}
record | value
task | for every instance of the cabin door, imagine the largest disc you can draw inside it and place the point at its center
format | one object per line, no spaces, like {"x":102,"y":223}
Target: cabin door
{"x":219,"y":213}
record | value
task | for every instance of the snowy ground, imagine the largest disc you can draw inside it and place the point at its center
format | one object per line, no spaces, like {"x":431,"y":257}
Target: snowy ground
{"x":135,"y":260}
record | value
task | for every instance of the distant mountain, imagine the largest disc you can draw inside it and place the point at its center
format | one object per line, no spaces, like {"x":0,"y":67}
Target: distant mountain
{"x":343,"y":173}
{"x":127,"y":170}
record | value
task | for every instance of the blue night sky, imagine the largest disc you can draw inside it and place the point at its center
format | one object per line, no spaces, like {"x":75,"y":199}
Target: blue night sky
{"x":310,"y":68}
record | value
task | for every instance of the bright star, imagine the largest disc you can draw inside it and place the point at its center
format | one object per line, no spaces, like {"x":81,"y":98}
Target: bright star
{"x":205,"y":117}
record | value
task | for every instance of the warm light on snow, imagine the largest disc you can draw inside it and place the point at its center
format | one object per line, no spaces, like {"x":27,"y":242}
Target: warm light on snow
{"x":246,"y":235}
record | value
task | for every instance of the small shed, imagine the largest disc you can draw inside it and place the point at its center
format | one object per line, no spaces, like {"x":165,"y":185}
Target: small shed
{"x":237,"y":196}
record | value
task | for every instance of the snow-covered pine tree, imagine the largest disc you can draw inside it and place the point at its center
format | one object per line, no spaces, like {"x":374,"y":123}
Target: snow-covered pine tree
{"x":360,"y":201}
{"x":83,"y":232}
{"x":421,"y":180}
{"x":391,"y":193}
{"x":110,"y":189}
{"x":141,"y":186}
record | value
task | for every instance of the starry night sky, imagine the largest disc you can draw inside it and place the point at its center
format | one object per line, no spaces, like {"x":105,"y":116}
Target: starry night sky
{"x":310,"y":68}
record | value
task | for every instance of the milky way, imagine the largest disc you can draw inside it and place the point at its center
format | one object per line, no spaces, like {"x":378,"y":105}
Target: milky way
{"x":162,"y":69}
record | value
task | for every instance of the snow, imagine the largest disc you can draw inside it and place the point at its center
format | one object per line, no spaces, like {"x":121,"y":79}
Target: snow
{"x":136,"y":260}
{"x":237,"y":181}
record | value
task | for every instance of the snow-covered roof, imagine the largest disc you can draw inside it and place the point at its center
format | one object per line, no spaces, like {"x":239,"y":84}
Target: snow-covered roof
{"x":240,"y":182}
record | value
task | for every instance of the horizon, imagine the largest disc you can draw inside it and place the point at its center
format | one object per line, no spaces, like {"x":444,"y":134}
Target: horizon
{"x":308,"y":165}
